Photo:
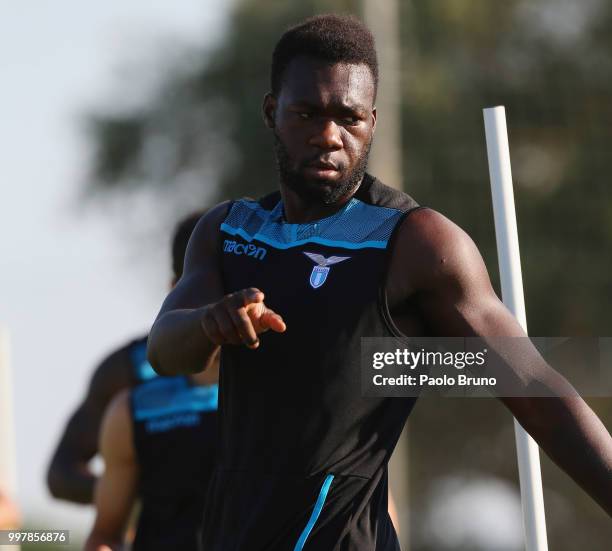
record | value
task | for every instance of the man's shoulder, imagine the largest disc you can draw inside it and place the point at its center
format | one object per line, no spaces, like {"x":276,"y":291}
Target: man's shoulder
{"x":373,"y":192}
{"x":213,"y":217}
{"x":430,"y":231}
{"x":120,"y":356}
{"x":444,"y":251}
{"x":115,"y":370}
{"x":249,"y":215}
{"x":203,"y":238}
{"x":262,"y":205}
{"x":217,"y":215}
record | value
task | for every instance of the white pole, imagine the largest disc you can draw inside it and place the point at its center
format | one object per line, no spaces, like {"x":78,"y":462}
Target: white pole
{"x":509,"y":259}
{"x":8,"y":465}
{"x":385,"y":163}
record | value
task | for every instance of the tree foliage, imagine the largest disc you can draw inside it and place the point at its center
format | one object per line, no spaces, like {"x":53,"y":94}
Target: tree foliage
{"x":546,"y":61}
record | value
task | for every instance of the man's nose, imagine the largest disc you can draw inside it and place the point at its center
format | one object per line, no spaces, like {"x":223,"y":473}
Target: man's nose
{"x":327,"y":136}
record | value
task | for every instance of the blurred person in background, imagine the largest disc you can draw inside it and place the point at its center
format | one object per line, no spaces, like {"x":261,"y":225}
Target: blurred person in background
{"x":10,"y":518}
{"x":302,"y":456}
{"x":158,"y":445}
{"x":69,"y":476}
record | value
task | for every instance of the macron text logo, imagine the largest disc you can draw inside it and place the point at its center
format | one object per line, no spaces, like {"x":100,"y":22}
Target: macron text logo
{"x":230,"y":246}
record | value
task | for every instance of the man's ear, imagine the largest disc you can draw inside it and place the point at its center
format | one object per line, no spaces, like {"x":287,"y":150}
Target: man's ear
{"x":269,"y":109}
{"x":374,"y":120}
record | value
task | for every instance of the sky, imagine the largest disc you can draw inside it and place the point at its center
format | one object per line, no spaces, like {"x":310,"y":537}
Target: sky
{"x":70,"y":290}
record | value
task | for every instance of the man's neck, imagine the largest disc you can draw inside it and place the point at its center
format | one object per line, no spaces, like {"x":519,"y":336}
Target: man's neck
{"x":298,"y":210}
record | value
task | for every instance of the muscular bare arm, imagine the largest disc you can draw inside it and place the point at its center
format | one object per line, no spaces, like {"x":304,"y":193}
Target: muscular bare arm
{"x":438,"y":266}
{"x":196,"y":317}
{"x":117,"y":487}
{"x":69,"y":476}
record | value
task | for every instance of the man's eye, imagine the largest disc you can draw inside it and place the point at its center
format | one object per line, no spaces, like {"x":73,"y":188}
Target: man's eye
{"x":304,"y":116}
{"x":351,"y":120}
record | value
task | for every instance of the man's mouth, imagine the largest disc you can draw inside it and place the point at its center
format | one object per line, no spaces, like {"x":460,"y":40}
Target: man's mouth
{"x":321,"y":170}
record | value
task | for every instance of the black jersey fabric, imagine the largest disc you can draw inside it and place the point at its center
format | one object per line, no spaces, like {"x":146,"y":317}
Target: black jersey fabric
{"x":175,"y":427}
{"x":302,"y":456}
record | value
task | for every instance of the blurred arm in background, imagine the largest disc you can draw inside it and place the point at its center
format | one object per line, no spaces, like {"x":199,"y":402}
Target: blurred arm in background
{"x":10,"y":518}
{"x":117,"y":488}
{"x":69,"y":476}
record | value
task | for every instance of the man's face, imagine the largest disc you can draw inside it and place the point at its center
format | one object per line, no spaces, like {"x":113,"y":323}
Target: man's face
{"x":323,"y":121}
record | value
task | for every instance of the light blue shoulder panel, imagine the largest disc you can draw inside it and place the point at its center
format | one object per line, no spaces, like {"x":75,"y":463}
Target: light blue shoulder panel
{"x":170,"y":395}
{"x":357,"y":225}
{"x":143,"y":369}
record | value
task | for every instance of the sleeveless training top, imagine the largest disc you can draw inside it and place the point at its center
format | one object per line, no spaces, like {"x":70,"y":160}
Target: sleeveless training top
{"x":302,"y":456}
{"x":175,"y":433}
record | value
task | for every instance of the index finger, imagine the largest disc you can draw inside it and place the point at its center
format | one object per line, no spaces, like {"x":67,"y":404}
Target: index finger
{"x":247,"y":296}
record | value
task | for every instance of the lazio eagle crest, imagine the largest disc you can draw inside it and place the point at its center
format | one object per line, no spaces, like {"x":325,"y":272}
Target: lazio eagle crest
{"x":320,"y":271}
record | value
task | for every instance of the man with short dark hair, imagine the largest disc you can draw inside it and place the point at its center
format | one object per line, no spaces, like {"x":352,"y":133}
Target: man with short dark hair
{"x":69,"y":476}
{"x":158,"y":444}
{"x":336,"y":255}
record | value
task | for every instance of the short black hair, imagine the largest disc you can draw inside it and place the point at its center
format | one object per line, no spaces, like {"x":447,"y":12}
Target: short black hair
{"x":182,"y":233}
{"x":332,"y":38}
